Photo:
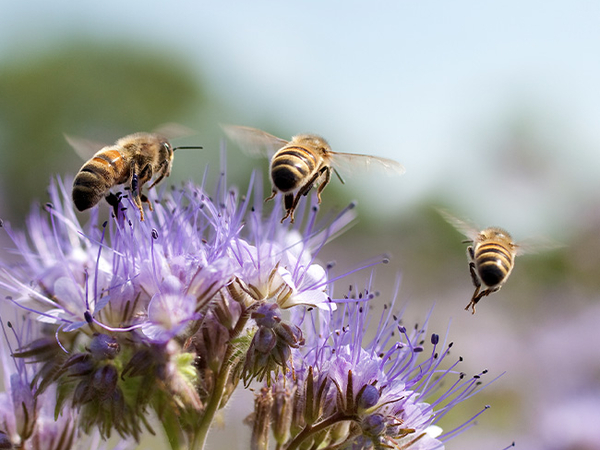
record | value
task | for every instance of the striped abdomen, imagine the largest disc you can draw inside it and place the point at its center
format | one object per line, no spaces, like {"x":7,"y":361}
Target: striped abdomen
{"x":292,"y":167}
{"x":106,"y":169}
{"x":494,"y":263}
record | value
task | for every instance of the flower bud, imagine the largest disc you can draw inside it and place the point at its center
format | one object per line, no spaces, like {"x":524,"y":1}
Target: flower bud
{"x":105,"y":380}
{"x":264,"y":340}
{"x":5,"y":443}
{"x":367,"y":397}
{"x":267,"y":315}
{"x":104,"y":347}
{"x":373,"y":425}
{"x":262,"y":419}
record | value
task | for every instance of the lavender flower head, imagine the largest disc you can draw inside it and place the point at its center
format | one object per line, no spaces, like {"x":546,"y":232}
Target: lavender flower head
{"x":28,"y":418}
{"x":123,"y":319}
{"x":350,"y":392}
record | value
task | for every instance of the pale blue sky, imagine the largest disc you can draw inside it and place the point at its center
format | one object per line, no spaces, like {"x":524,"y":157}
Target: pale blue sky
{"x":435,"y":84}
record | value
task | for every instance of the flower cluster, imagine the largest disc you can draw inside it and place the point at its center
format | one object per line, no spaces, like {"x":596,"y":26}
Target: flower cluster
{"x":121,"y":320}
{"x":353,"y":392}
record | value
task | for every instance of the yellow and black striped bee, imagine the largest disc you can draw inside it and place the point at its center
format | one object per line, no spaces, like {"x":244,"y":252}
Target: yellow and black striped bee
{"x":491,"y":256}
{"x":132,"y":160}
{"x":305,"y":161}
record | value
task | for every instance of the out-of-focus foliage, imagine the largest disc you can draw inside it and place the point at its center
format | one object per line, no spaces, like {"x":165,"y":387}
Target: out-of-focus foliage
{"x":99,"y":92}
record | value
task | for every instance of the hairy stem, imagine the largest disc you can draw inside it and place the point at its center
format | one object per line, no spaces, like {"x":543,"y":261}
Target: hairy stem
{"x":221,"y":383}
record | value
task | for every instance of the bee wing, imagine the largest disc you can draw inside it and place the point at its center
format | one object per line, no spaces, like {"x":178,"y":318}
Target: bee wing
{"x":468,"y":228}
{"x":85,"y":148}
{"x":172,"y":130}
{"x":536,"y":244}
{"x":347,"y":163}
{"x":253,"y":141}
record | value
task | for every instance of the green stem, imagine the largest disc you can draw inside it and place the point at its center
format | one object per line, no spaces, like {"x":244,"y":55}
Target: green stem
{"x":171,"y":428}
{"x":212,"y":406}
{"x":221,"y":383}
{"x":312,"y":429}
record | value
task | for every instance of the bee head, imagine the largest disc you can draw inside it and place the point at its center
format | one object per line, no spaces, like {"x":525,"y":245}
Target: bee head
{"x":167,"y":148}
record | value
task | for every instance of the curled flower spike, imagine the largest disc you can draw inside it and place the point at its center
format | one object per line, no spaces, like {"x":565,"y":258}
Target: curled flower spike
{"x":28,"y":417}
{"x":271,"y":345}
{"x":351,"y":392}
{"x":137,"y":286}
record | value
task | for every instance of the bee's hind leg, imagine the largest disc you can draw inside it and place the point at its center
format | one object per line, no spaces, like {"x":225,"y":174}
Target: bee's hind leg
{"x":290,"y":202}
{"x":272,"y":196}
{"x":479,"y":295}
{"x":475,"y":278}
{"x":114,"y":200}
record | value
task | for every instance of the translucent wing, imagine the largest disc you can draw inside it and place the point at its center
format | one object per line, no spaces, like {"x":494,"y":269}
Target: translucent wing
{"x":536,"y":244}
{"x":467,"y":228}
{"x":253,"y":141}
{"x":172,"y":130}
{"x":347,"y":163}
{"x":84,"y":147}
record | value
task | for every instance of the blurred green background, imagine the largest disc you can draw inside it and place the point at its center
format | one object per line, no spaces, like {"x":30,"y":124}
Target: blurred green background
{"x":492,"y":109}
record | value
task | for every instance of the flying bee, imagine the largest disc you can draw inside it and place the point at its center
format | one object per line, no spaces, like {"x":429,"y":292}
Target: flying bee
{"x":132,"y":160}
{"x":491,"y":256}
{"x":305,"y":162}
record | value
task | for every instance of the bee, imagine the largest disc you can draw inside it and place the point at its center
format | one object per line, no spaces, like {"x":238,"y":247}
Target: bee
{"x":132,"y":160}
{"x":305,"y":162}
{"x":491,"y":256}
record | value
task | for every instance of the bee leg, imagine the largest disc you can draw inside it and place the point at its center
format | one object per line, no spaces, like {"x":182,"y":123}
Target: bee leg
{"x":139,"y":206}
{"x":158,"y":179}
{"x":114,"y":200}
{"x":474,"y":275}
{"x":290,"y":204}
{"x":303,"y":191}
{"x":471,"y":305}
{"x":327,"y":171}
{"x":163,"y":172}
{"x":470,"y":253}
{"x":291,"y":201}
{"x":145,"y":199}
{"x":476,"y":295}
{"x":135,"y":194}
{"x":272,"y":196}
{"x":137,"y":181}
{"x":479,"y":296}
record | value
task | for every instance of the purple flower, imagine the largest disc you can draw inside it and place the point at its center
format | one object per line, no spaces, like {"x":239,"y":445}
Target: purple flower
{"x":353,"y":392}
{"x":278,"y":265}
{"x":27,"y":417}
{"x":142,"y":287}
{"x":169,"y":311}
{"x":71,"y":273}
{"x":168,"y":315}
{"x":150,"y":315}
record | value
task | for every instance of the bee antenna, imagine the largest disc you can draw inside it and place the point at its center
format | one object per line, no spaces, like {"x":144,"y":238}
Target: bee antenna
{"x":186,"y":148}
